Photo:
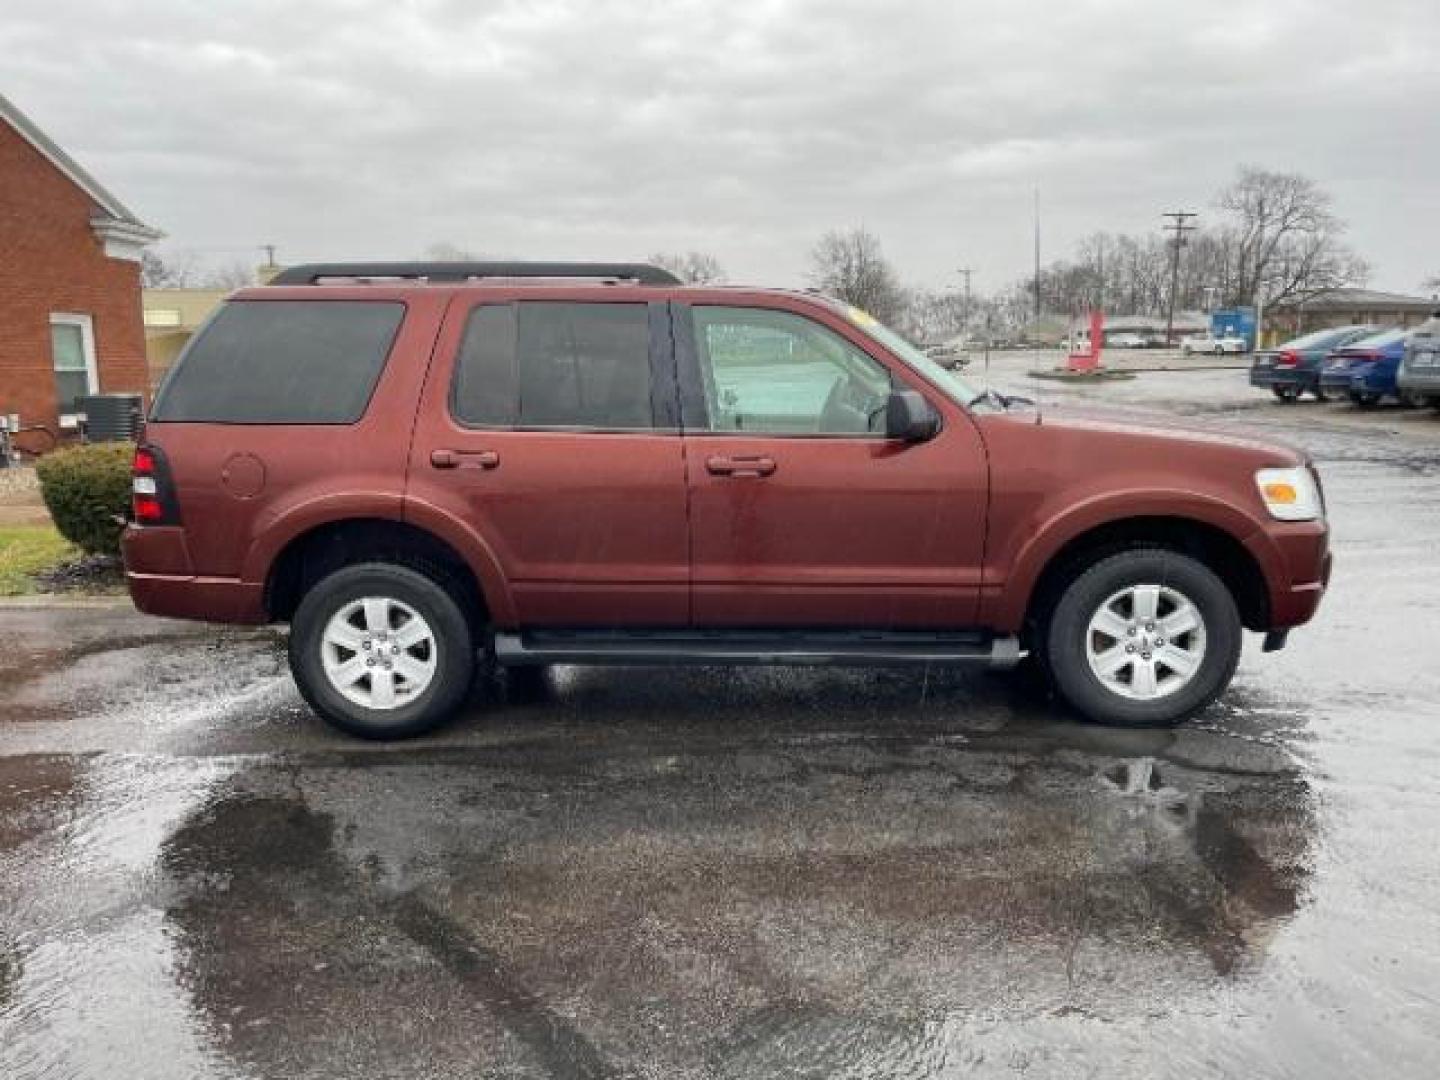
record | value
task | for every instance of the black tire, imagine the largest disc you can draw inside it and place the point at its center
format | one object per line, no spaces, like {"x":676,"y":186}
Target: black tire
{"x":1069,"y":621}
{"x":453,"y":643}
{"x":1411,"y":400}
{"x":1320,"y":393}
{"x":1364,"y":400}
{"x":1287,"y":394}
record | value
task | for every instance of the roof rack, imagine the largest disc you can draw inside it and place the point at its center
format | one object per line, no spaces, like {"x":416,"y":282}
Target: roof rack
{"x":314,"y":273}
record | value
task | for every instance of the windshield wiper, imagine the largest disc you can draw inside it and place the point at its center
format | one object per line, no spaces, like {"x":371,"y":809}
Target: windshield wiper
{"x":997,"y":399}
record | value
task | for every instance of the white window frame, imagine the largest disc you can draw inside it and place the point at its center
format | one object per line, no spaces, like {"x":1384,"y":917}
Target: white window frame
{"x":87,"y":343}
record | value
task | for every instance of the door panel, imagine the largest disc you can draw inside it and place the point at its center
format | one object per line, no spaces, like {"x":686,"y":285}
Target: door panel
{"x":823,"y":530}
{"x":588,"y":522}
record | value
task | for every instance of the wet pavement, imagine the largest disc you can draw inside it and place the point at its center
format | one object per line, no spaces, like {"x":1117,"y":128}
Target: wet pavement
{"x":743,"y":873}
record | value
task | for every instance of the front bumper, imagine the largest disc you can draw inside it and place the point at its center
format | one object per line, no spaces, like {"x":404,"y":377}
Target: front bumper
{"x":1424,"y":380}
{"x":1297,"y":563}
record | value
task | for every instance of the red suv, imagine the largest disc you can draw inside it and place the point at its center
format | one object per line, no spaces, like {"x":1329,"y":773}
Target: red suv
{"x":423,"y":467}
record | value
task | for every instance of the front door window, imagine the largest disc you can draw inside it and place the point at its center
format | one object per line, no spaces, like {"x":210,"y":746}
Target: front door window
{"x":776,"y":373}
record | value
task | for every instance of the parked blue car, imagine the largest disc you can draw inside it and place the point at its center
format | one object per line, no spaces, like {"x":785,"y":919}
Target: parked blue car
{"x":1365,"y":370}
{"x":1292,"y":369}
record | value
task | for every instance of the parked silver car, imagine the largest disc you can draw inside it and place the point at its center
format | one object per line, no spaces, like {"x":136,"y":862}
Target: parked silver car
{"x":1419,"y":375}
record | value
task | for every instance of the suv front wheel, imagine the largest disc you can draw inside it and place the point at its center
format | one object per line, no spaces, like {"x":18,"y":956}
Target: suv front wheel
{"x":381,"y":651}
{"x":1143,"y":638}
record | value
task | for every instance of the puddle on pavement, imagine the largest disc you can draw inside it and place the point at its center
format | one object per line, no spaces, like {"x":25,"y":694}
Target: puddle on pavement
{"x":720,"y":901}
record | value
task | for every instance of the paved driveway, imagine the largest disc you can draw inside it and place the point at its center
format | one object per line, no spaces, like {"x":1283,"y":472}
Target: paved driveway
{"x":708,"y":872}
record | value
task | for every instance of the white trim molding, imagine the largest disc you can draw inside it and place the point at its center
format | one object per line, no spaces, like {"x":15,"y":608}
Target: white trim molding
{"x":123,"y":239}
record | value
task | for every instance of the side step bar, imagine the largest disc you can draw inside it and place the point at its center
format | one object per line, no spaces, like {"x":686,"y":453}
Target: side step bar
{"x":753,"y":647}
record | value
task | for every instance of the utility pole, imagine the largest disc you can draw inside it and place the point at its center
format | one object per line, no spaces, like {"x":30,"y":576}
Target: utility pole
{"x":965,"y":314}
{"x":1100,"y":271}
{"x":269,"y":250}
{"x":1180,"y":218}
{"x":1037,"y":253}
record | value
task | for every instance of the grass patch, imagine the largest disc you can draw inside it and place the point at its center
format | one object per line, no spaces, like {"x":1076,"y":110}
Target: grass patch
{"x":25,"y":550}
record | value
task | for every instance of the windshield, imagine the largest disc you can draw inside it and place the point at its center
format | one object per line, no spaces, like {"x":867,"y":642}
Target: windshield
{"x":950,"y":383}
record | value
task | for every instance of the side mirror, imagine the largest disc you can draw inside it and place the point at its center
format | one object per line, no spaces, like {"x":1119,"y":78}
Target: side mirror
{"x":909,"y":416}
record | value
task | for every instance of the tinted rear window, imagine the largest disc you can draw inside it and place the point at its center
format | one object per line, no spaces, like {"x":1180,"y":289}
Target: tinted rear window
{"x":555,"y":364}
{"x":282,"y":362}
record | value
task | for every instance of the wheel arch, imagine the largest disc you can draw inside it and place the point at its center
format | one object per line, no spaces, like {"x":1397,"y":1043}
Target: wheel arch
{"x":323,"y":548}
{"x":1213,"y":545}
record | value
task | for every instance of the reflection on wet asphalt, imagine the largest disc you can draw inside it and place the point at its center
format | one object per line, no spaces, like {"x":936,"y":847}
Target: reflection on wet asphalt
{"x":735,"y":873}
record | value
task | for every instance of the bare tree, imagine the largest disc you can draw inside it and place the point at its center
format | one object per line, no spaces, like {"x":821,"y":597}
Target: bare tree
{"x":232,"y":275}
{"x":184,"y":270}
{"x":447,"y":252}
{"x":1284,"y":241}
{"x":848,"y":264}
{"x":1432,"y":284}
{"x":177,"y":270}
{"x":691,"y":267}
{"x":933,"y":317}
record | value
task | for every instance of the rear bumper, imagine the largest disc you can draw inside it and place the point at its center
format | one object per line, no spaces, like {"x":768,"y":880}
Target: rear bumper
{"x":1268,"y":377}
{"x":1337,"y":382}
{"x":1372,"y":384}
{"x":222,"y":600}
{"x":161,"y":580}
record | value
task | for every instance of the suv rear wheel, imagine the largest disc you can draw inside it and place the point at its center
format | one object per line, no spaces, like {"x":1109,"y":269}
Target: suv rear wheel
{"x":1143,"y":638}
{"x":381,"y":651}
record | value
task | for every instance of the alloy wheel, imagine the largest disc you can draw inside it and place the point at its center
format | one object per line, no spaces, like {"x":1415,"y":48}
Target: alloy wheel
{"x":1146,"y":642}
{"x":378,"y":652}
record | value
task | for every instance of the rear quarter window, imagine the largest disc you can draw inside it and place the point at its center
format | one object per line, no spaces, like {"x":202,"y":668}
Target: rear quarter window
{"x":282,"y":362}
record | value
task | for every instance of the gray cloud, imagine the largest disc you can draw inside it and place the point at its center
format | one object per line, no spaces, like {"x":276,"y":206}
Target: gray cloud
{"x":594,"y":129}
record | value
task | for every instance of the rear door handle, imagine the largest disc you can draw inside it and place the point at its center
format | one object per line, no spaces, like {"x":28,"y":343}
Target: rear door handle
{"x":740,"y":466}
{"x":452,"y":459}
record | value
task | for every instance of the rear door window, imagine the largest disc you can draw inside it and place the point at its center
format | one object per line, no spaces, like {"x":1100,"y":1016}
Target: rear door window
{"x":282,"y":362}
{"x":555,"y":364}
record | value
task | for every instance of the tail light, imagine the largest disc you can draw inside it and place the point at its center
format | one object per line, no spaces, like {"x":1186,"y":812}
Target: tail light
{"x":152,"y":493}
{"x":1287,"y":359}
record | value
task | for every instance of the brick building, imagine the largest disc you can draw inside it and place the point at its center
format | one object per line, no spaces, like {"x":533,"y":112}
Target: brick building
{"x":69,"y":280}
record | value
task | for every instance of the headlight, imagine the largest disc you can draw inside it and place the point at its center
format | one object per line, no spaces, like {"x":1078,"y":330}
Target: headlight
{"x":1290,"y":494}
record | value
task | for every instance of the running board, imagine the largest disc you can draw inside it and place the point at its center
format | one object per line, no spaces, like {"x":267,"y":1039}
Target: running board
{"x":753,"y":647}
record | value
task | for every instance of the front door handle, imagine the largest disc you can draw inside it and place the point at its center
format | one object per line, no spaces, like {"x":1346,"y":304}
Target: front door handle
{"x":452,"y":459}
{"x":740,"y":466}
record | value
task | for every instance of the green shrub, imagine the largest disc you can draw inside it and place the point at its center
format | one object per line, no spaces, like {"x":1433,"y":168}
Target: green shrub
{"x":87,"y":491}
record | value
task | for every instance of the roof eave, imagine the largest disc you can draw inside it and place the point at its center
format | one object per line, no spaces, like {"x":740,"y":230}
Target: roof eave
{"x":67,"y":165}
{"x":123,"y":239}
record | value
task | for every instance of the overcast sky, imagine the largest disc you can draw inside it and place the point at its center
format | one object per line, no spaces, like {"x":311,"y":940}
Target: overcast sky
{"x":593,"y":129}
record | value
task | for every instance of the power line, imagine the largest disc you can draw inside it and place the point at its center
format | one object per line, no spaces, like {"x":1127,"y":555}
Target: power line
{"x":1180,"y":219}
